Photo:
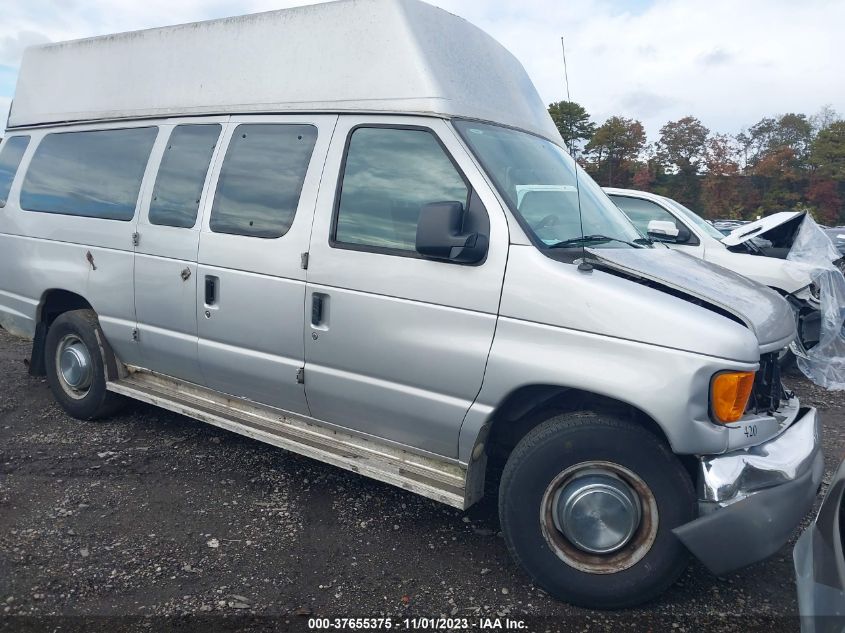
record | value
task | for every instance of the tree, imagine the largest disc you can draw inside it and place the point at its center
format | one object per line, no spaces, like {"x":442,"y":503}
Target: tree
{"x":758,"y":139}
{"x":793,"y":131}
{"x":772,"y":135}
{"x":827,"y":156}
{"x":683,"y":145}
{"x":788,"y":161}
{"x":720,"y":157}
{"x":572,"y":122}
{"x":824,"y":196}
{"x":721,"y":191}
{"x":778,"y":160}
{"x":614,"y":149}
{"x":647,"y":170}
{"x":827,"y":152}
{"x":823,"y":119}
{"x":643,"y":178}
{"x":744,"y":142}
{"x":778,"y":177}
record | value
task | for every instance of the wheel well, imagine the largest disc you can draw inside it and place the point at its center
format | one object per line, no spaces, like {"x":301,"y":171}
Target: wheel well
{"x":54,"y":303}
{"x":529,"y":406}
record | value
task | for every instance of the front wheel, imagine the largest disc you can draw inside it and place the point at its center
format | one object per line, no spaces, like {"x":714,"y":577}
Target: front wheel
{"x":74,"y":364}
{"x":587,"y":506}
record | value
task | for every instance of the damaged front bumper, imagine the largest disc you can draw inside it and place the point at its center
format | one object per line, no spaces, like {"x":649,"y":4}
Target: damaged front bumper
{"x":751,"y":500}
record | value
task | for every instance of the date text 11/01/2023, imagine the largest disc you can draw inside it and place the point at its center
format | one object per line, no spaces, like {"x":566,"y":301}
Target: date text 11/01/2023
{"x":416,"y":624}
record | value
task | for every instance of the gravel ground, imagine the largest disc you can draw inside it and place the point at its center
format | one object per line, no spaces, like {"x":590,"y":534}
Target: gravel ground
{"x":151,"y":520}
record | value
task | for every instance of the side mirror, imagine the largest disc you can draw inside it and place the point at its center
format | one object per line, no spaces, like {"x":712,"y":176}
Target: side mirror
{"x":439,"y":234}
{"x":668,"y":231}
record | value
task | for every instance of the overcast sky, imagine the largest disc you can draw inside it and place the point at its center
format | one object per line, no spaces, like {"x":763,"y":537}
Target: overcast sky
{"x":728,"y":63}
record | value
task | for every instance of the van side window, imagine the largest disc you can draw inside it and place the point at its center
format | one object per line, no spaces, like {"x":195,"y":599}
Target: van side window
{"x":389,"y":175}
{"x":94,"y":174}
{"x":181,"y":175}
{"x":261,"y":179}
{"x":10,"y":159}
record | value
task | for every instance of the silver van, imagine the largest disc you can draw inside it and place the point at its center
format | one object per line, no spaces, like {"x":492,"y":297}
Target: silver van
{"x":352,"y":231}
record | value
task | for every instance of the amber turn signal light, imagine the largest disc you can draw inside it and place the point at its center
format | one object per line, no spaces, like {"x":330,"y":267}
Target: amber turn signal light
{"x":729,"y":393}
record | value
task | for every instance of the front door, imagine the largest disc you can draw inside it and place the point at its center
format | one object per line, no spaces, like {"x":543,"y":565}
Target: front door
{"x":250,"y":276}
{"x":396,"y":344}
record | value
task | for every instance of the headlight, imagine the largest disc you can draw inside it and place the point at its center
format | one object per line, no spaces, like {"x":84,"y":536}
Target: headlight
{"x":729,"y":393}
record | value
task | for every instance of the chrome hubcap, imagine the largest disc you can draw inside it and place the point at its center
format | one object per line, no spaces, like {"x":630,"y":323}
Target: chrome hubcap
{"x":599,"y":513}
{"x":599,"y":517}
{"x":74,"y":366}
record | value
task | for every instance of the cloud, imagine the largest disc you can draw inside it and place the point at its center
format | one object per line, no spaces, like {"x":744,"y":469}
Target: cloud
{"x":11,"y":46}
{"x":725,"y":62}
{"x":646,"y":104}
{"x":716,"y":57}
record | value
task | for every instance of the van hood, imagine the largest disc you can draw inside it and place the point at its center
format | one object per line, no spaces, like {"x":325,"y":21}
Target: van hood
{"x":762,"y":310}
{"x":760,"y":227}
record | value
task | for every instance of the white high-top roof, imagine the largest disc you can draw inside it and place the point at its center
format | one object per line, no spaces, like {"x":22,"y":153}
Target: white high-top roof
{"x":400,"y":56}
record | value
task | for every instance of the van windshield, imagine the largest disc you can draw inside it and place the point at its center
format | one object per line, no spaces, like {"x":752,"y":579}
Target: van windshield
{"x":537,"y":180}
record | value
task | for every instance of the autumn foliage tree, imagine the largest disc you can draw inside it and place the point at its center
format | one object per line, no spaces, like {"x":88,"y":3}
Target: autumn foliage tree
{"x":721,"y":186}
{"x":783,"y":162}
{"x":683,"y":146}
{"x":823,"y":195}
{"x":613,"y":150}
{"x":827,"y":182}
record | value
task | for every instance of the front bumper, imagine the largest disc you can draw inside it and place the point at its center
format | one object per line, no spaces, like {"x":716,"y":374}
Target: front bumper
{"x":752,"y":499}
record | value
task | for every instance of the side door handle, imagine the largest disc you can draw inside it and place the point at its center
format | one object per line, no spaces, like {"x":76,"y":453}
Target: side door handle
{"x":316,"y":308}
{"x":319,"y":310}
{"x":212,"y":285}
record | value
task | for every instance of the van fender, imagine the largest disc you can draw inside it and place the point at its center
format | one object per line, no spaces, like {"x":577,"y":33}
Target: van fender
{"x":669,"y":386}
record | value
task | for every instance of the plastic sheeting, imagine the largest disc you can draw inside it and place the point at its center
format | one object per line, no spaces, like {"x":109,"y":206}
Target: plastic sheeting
{"x":823,"y":363}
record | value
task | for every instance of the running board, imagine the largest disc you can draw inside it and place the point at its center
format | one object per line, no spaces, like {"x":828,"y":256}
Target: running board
{"x":430,"y":477}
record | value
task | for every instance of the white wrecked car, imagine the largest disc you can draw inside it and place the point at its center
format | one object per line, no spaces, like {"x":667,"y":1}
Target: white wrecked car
{"x":764,"y":251}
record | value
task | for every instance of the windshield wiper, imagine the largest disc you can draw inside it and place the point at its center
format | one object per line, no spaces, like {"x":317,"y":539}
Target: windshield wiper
{"x":577,"y":241}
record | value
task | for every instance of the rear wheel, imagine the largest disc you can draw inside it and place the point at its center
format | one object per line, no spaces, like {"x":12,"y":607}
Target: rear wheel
{"x":74,"y":365}
{"x":587,"y":506}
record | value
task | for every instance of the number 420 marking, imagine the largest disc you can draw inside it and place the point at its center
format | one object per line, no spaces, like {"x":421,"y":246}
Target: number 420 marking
{"x":750,"y":430}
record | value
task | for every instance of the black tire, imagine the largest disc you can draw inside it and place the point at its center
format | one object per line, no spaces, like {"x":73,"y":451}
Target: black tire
{"x":562,"y":443}
{"x":94,"y":401}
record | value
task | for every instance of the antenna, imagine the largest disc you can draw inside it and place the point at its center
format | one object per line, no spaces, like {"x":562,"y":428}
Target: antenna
{"x":568,"y":98}
{"x":584,"y":266}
